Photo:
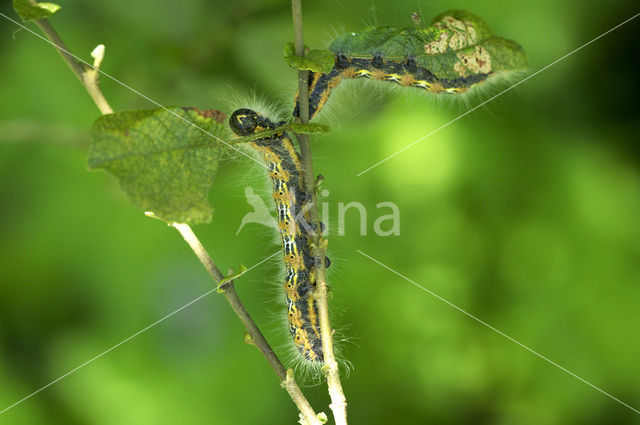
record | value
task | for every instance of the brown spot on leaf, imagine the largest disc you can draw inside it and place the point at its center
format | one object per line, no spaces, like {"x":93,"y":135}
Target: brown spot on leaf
{"x":454,"y":34}
{"x":477,"y":61}
{"x":437,"y":46}
{"x":218,"y":116}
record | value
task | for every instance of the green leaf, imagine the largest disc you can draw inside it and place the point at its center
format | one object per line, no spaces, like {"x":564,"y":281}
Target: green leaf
{"x":321,"y":61}
{"x":29,"y":11}
{"x":457,"y":44}
{"x":163,"y":164}
{"x":312,"y":128}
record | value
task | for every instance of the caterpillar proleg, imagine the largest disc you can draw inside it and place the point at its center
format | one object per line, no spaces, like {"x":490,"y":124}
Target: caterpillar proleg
{"x":285,"y":172}
{"x":455,"y":54}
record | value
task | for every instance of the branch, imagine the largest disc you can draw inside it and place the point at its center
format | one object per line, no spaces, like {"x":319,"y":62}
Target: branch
{"x":88,"y":76}
{"x":228,"y":290}
{"x":330,"y":368}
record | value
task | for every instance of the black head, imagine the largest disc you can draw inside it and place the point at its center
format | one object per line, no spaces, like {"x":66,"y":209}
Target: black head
{"x":244,"y":121}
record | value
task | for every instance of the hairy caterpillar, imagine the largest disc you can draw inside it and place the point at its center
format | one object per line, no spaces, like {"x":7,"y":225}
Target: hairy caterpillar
{"x":456,"y":53}
{"x":285,"y":172}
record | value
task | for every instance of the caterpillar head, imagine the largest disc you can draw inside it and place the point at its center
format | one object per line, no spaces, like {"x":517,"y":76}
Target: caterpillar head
{"x":246,"y":121}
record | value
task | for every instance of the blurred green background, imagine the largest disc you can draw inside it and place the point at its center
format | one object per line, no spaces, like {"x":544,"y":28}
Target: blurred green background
{"x":523,"y":213}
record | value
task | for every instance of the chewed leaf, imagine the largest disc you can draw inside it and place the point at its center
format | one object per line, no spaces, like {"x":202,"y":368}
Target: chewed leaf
{"x":29,"y":11}
{"x":315,"y":60}
{"x":458,"y":44}
{"x":163,"y":164}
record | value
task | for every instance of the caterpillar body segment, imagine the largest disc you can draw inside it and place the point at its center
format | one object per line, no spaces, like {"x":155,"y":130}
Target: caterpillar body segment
{"x":285,"y":171}
{"x":404,"y":73}
{"x":456,"y":53}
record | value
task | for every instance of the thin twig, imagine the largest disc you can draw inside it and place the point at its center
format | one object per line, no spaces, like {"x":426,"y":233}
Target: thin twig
{"x":338,"y":400}
{"x":228,"y":290}
{"x":87,"y":76}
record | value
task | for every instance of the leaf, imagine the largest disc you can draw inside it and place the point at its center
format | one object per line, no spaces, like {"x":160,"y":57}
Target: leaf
{"x":321,"y":61}
{"x":163,"y":164}
{"x":29,"y":11}
{"x":457,"y":44}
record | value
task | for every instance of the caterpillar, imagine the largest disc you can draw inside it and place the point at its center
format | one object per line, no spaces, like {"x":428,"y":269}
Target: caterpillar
{"x":285,"y":171}
{"x":455,"y":54}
